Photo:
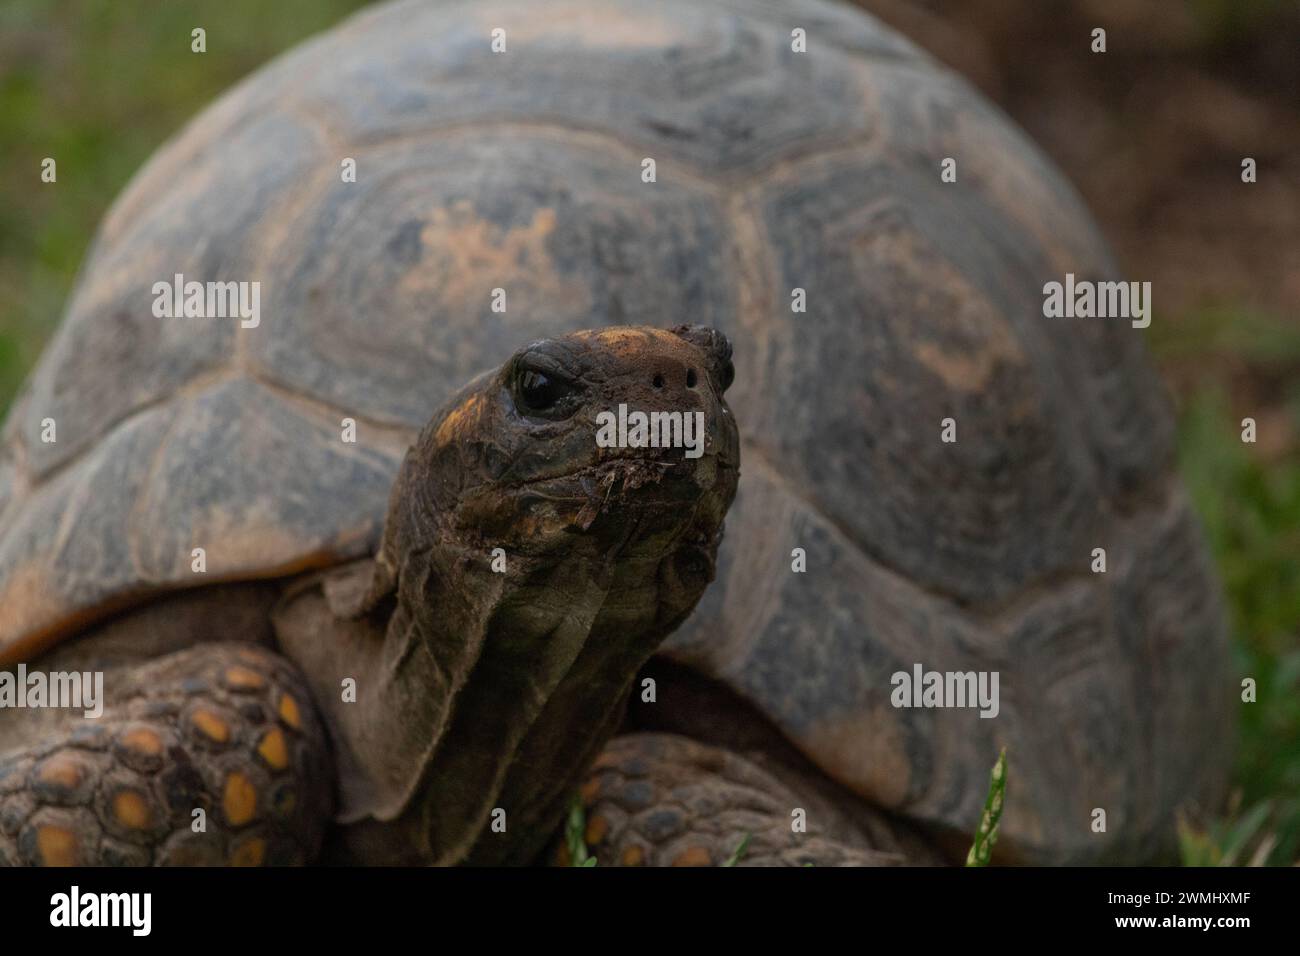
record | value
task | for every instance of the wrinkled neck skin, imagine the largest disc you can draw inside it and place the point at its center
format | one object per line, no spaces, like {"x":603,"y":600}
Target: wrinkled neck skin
{"x":499,"y":688}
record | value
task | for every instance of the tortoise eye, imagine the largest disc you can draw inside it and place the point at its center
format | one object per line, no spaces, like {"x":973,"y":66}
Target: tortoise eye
{"x":539,"y":392}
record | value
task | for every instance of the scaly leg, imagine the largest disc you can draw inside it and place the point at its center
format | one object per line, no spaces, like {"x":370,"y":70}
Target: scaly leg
{"x":223,"y":728}
{"x":657,"y":799}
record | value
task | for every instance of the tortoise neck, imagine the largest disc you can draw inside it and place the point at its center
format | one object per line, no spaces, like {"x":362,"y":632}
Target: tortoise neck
{"x":496,"y":696}
{"x":501,"y":688}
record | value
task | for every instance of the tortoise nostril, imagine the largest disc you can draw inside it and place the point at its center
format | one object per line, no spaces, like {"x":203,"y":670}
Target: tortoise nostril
{"x":659,"y":381}
{"x":690,"y":378}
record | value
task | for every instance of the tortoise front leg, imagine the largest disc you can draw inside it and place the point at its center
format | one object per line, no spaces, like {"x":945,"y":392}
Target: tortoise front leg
{"x":656,"y":799}
{"x":211,"y":755}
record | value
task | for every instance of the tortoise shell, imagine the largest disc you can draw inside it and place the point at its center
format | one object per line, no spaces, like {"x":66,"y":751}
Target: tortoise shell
{"x":778,"y":174}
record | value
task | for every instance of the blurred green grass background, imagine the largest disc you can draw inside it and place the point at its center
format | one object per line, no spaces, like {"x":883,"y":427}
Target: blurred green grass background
{"x":100,"y":84}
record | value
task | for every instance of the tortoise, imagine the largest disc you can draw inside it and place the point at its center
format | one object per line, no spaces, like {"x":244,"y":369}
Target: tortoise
{"x":350,"y":608}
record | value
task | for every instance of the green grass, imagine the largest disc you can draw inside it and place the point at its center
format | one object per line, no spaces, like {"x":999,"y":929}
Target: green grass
{"x":575,"y":835}
{"x":1240,"y":838}
{"x":1246,"y":364}
{"x":1252,"y":518}
{"x":986,"y":834}
{"x":738,"y":853}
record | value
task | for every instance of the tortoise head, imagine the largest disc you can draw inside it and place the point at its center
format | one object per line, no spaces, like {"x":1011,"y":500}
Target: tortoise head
{"x":598,"y":443}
